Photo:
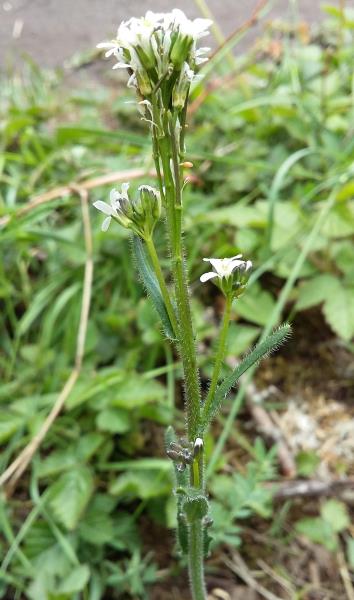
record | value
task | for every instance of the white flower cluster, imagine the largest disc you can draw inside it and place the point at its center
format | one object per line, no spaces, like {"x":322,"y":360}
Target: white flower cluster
{"x":140,"y":214}
{"x":160,"y":48}
{"x":229,"y":274}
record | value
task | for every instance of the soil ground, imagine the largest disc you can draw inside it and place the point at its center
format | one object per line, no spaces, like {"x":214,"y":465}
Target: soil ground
{"x":51,"y":31}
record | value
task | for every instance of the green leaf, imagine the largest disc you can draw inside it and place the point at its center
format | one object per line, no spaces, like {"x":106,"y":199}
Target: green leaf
{"x":10,"y":422}
{"x":318,"y":531}
{"x":70,"y":494}
{"x":264,"y":348}
{"x":256,"y":305}
{"x":39,"y":538}
{"x":56,"y":309}
{"x":240,"y":337}
{"x":339,"y":311}
{"x":68,"y":133}
{"x":335,"y":514}
{"x":57,"y":462}
{"x":340,"y":222}
{"x":39,"y":302}
{"x":137,"y":391}
{"x":76,"y":580}
{"x":343,"y":254}
{"x":151,"y":285}
{"x":88,"y":445}
{"x":316,"y":290}
{"x":141,"y":484}
{"x":307,"y":463}
{"x":96,"y":528}
{"x":237,"y":215}
{"x":114,"y":420}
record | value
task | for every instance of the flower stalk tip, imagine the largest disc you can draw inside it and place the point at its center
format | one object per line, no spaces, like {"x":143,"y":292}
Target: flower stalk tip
{"x":160,"y":51}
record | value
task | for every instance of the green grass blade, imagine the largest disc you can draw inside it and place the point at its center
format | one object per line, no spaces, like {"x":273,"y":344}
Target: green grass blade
{"x":278,"y":182}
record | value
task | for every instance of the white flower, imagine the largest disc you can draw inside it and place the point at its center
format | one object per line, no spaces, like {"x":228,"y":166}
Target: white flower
{"x":154,"y":47}
{"x":224,"y":267}
{"x":112,"y":48}
{"x":112,"y":209}
{"x":195,"y":29}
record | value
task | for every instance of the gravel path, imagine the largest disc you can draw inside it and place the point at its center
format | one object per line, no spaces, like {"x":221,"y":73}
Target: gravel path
{"x":51,"y":31}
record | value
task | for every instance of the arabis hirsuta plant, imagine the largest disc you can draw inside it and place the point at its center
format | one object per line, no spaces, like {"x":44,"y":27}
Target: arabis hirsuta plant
{"x":161,"y":57}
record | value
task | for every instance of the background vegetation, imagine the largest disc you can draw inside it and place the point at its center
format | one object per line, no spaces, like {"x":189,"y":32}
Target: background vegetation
{"x":271,"y":140}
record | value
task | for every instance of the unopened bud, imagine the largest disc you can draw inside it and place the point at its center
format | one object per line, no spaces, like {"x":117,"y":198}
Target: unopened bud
{"x":180,"y":49}
{"x":146,"y":56}
{"x":181,"y":87}
{"x":150,"y":203}
{"x":125,"y":207}
{"x":144,"y":83}
{"x":187,"y":165}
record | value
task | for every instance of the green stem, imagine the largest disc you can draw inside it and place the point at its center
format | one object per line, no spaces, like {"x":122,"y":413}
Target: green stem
{"x":196,"y":567}
{"x":169,"y":152}
{"x":220,"y":354}
{"x":160,"y":278}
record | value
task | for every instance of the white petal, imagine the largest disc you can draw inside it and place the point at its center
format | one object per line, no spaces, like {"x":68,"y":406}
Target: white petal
{"x":132,"y":82}
{"x":235,"y":263}
{"x":120,"y":65}
{"x":114,"y":196}
{"x":103,"y":207}
{"x":106,"y":223}
{"x":202,"y":24}
{"x":106,"y":45}
{"x":207,"y":276}
{"x":125,"y":188}
{"x":217,"y":263}
{"x":201,"y":61}
{"x":111,"y":51}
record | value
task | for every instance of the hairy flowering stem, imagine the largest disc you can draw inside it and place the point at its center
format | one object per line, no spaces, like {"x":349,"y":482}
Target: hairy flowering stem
{"x":189,"y":359}
{"x":172,"y":176}
{"x":196,"y":566}
{"x":221,"y":351}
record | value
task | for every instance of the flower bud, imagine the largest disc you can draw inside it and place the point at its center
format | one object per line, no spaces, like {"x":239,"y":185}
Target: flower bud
{"x":180,"y":49}
{"x":240,"y":278}
{"x":146,"y":57}
{"x":143,"y":82}
{"x":146,"y":210}
{"x":150,"y":201}
{"x":125,"y":207}
{"x":181,"y":87}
